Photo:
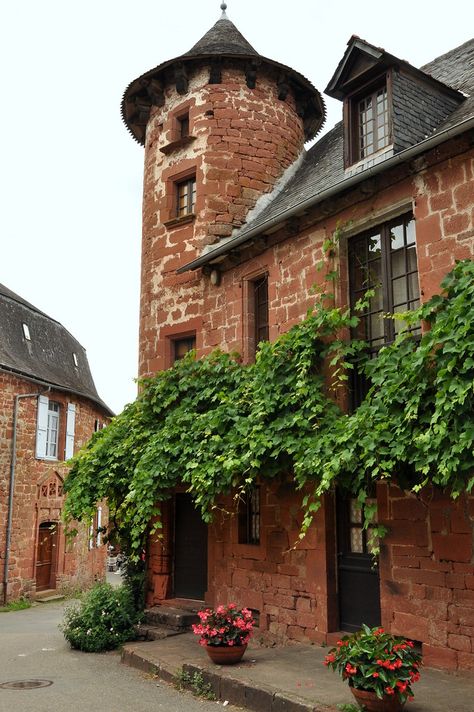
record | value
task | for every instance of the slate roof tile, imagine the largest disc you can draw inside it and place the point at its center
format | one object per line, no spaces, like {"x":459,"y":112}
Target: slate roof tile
{"x":48,"y":356}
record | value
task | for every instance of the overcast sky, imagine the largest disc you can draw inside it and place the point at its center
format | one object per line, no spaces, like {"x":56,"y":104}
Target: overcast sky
{"x":71,"y":175}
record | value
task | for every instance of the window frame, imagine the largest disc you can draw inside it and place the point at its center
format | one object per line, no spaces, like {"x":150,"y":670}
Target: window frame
{"x":189,"y":339}
{"x":53,"y":417}
{"x":249,"y":517}
{"x":359,"y":384}
{"x":190,"y":196}
{"x":352,"y":153}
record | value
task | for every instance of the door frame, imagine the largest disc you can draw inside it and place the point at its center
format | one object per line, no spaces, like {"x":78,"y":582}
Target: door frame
{"x":359,"y":562}
{"x":48,"y":523}
{"x":206,"y":569}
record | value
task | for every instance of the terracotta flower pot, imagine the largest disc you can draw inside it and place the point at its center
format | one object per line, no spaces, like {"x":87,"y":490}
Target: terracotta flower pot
{"x":226,"y":654}
{"x":372,"y":703}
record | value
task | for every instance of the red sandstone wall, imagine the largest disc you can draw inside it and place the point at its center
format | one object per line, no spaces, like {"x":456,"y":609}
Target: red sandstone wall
{"x":427,"y":574}
{"x":76,"y":565}
{"x":286,"y":580}
{"x":244,"y":139}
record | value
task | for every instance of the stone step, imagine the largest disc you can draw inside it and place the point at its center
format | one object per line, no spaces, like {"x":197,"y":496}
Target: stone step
{"x":49,"y":598}
{"x":147,"y":632}
{"x":177,"y":619}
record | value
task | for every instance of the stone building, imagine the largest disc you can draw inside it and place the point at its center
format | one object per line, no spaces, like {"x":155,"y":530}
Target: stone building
{"x":235,"y":214}
{"x":49,"y":408}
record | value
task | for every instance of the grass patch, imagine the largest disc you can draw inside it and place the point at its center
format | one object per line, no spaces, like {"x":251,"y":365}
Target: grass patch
{"x":18,"y":605}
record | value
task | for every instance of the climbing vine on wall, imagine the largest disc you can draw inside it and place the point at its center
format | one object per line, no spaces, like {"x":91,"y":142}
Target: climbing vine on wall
{"x":215,"y":425}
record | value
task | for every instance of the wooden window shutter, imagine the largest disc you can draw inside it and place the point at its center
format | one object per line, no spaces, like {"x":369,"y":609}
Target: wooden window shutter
{"x":41,"y":426}
{"x":70,"y":426}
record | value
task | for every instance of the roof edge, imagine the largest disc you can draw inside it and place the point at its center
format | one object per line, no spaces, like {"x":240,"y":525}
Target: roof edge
{"x":402,"y":156}
{"x":58,"y":387}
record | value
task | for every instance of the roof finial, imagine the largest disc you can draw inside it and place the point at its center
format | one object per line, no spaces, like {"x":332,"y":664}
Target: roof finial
{"x":224,"y":8}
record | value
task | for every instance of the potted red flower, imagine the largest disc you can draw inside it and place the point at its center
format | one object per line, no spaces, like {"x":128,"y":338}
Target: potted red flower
{"x":380,"y":668}
{"x":224,"y":632}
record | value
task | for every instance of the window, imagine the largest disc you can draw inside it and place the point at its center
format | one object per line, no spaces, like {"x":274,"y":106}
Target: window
{"x":383,"y":260}
{"x":26,"y":331}
{"x":367,"y":122}
{"x":180,"y":347}
{"x":260,"y":288}
{"x":249,"y":517}
{"x":372,"y":123}
{"x":48,"y":433}
{"x":183,"y":126}
{"x":185,"y":197}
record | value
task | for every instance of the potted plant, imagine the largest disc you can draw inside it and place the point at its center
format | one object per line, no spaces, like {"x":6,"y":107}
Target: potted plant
{"x":225,"y":632}
{"x":380,"y":668}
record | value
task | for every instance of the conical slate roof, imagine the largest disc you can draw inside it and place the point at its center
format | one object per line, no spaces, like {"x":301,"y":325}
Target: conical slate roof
{"x":222,"y":38}
{"x":222,"y":42}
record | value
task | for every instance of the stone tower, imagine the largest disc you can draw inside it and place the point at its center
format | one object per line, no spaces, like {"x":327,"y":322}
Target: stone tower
{"x":220,"y":124}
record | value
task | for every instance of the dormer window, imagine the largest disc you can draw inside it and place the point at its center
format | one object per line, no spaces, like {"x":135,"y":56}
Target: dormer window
{"x":389,"y":105}
{"x":367,"y":122}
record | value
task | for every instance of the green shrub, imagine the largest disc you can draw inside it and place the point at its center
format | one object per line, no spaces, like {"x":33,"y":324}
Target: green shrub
{"x":103,"y":620}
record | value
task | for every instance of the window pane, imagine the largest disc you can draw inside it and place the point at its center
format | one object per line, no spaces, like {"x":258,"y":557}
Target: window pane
{"x":396,"y":237}
{"x":376,"y":302}
{"x":374,"y":246}
{"x":398,"y":263}
{"x":413,"y":288}
{"x":355,"y":511}
{"x":411,"y":259}
{"x":399,"y":291}
{"x":357,"y":544}
{"x":377,"y":326}
{"x":410,"y":232}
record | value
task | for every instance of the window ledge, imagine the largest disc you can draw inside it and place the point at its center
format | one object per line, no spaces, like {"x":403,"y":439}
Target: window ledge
{"x":183,"y":220}
{"x":179,"y":143}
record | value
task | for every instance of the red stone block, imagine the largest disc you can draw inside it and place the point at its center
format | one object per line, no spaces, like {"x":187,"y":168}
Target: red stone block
{"x":452,"y":547}
{"x":442,"y":658}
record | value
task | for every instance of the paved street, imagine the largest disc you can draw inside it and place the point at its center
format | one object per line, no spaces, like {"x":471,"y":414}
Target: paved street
{"x":32,"y":647}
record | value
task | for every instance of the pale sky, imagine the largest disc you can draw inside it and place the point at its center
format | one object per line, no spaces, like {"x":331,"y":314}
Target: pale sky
{"x":71,"y":175}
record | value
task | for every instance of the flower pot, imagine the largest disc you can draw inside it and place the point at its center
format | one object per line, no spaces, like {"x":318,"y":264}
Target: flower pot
{"x":372,"y":703}
{"x":225,"y":654}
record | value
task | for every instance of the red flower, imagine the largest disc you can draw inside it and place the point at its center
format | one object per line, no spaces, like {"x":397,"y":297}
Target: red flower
{"x":375,"y":674}
{"x":350,"y":669}
{"x":389,"y":690}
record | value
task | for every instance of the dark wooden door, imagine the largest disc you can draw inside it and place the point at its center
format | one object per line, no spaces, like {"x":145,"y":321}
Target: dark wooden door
{"x":190,"y":550}
{"x":45,"y":556}
{"x":358,"y":576}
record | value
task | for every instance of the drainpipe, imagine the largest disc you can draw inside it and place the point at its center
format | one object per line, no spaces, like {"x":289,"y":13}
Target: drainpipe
{"x":12,"y":488}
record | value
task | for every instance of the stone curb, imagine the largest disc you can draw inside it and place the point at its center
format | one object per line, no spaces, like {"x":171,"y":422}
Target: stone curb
{"x":258,"y":698}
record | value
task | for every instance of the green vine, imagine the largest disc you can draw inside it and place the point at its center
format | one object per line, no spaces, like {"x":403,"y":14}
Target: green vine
{"x":216,"y":425}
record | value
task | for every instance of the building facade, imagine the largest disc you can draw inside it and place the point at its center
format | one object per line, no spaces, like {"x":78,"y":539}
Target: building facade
{"x":49,"y":408}
{"x":235,"y":216}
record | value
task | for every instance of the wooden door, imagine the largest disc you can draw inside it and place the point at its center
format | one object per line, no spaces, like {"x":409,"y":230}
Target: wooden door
{"x":358,"y":576}
{"x":190,"y":550}
{"x":45,"y":556}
